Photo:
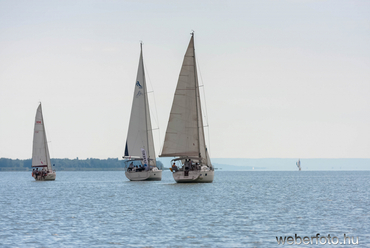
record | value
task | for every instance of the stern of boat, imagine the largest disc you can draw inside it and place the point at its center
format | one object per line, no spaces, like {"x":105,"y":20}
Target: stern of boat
{"x":195,"y":176}
{"x":49,"y":177}
{"x":152,"y":175}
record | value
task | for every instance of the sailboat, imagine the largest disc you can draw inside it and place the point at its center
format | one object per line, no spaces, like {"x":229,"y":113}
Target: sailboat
{"x":40,"y":151}
{"x":298,"y":163}
{"x":139,"y":150}
{"x":184,"y":138}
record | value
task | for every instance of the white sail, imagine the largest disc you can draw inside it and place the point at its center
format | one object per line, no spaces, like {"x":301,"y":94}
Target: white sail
{"x":185,"y":134}
{"x":40,"y":153}
{"x":140,"y":134}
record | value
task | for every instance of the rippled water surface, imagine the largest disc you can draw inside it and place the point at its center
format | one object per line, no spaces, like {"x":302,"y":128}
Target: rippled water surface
{"x":239,"y":209}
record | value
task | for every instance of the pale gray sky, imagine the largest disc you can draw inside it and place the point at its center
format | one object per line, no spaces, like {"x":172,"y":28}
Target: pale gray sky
{"x":283,"y":79}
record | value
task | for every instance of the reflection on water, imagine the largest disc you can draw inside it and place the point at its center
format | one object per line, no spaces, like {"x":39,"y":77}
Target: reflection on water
{"x":239,"y":209}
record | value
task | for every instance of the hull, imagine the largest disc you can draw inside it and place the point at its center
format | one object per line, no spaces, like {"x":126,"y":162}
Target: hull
{"x":49,"y":177}
{"x":194,"y":176}
{"x":144,"y":175}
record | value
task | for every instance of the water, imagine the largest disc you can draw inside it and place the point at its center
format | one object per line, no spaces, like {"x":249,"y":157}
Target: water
{"x":239,"y":209}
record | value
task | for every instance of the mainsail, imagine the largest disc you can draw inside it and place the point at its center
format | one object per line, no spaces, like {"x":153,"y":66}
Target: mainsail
{"x":40,"y":152}
{"x":140,"y":134}
{"x":185,"y":134}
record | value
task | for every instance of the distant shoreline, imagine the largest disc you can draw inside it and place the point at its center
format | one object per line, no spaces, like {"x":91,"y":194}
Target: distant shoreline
{"x":220,"y":164}
{"x":65,"y":164}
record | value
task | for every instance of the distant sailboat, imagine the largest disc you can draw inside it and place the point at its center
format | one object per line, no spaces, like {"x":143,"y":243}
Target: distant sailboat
{"x":139,"y":143}
{"x":298,"y":163}
{"x":40,"y":151}
{"x":185,"y":135}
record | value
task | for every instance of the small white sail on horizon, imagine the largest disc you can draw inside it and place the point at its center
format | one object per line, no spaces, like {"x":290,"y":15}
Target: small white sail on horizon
{"x":298,"y":163}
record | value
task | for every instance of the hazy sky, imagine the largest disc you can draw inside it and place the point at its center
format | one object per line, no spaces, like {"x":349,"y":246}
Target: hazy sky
{"x":282,"y":79}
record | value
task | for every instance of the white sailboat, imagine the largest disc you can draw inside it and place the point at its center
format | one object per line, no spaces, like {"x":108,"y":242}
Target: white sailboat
{"x":40,"y":151}
{"x":139,"y":143}
{"x":298,"y":163}
{"x":185,"y":134}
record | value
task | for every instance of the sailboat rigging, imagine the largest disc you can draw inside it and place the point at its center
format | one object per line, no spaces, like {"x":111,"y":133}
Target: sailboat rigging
{"x":185,"y":137}
{"x":40,"y":151}
{"x":139,"y":143}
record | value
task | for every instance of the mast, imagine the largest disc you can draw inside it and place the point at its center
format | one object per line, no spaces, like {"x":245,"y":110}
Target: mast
{"x":197,"y":102}
{"x":46,"y":142}
{"x":196,"y":94}
{"x":145,"y":104}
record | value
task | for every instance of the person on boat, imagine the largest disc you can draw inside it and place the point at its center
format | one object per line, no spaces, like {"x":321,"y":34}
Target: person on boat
{"x":174,"y":167}
{"x":197,"y":166}
{"x":192,"y":165}
{"x":131,"y":166}
{"x":187,"y":164}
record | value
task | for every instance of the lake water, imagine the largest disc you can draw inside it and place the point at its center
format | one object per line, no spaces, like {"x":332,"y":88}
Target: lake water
{"x":239,"y":209}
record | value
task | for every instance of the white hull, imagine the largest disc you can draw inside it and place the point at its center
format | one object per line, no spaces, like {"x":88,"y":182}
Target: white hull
{"x":194,"y":176}
{"x":49,"y":177}
{"x":144,"y":175}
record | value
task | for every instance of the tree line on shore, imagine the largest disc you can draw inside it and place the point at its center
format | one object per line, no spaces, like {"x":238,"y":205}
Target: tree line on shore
{"x":65,"y":164}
